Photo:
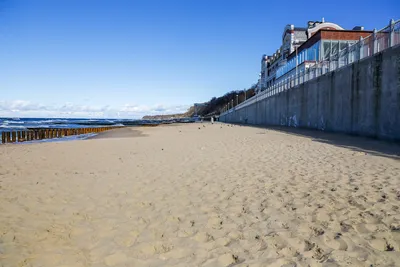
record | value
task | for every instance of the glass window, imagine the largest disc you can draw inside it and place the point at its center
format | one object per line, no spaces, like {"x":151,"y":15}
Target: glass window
{"x":335,"y":47}
{"x":326,"y":50}
{"x":343,"y":45}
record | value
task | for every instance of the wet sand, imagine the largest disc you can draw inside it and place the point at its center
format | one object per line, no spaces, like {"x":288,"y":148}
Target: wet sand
{"x":127,"y":132}
{"x":201,"y":195}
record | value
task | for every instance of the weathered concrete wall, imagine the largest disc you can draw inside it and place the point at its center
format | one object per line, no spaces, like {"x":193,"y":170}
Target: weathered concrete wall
{"x":362,"y":99}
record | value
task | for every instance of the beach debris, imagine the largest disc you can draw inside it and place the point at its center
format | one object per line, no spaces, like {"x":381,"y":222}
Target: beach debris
{"x":389,"y":247}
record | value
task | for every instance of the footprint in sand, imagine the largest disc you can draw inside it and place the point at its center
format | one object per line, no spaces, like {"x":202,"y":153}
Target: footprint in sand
{"x":336,"y":242}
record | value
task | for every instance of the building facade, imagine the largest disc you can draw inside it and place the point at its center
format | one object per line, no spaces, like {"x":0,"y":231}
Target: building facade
{"x":303,"y":47}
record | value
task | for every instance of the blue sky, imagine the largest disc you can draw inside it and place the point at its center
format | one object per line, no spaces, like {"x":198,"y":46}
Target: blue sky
{"x":115,"y":58}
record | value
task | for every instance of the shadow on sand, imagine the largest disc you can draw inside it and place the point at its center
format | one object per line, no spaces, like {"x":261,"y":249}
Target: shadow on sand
{"x":357,"y":143}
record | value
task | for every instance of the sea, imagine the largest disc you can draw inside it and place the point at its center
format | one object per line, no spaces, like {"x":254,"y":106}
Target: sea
{"x":20,"y":124}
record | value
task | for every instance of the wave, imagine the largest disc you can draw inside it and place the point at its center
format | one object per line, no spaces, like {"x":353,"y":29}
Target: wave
{"x":13,"y":122}
{"x":12,"y":127}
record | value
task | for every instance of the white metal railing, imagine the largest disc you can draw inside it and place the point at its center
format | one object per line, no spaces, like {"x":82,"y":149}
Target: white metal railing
{"x":365,"y":47}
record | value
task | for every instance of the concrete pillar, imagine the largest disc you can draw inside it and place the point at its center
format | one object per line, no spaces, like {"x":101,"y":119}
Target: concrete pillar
{"x":391,"y":33}
{"x":361,"y":48}
{"x":375,"y":48}
{"x":348,"y":54}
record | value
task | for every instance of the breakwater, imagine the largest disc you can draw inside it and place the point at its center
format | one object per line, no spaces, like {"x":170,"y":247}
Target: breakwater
{"x":362,"y":98}
{"x":49,"y":133}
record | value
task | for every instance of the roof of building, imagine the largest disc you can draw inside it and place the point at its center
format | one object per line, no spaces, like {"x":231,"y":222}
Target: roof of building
{"x":300,"y":35}
{"x":300,"y":29}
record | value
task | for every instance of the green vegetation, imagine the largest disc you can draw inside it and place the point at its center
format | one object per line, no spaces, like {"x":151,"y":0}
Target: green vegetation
{"x":213,"y":107}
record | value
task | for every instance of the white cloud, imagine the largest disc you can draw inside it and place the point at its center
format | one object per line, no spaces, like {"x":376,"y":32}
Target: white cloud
{"x":22,"y":108}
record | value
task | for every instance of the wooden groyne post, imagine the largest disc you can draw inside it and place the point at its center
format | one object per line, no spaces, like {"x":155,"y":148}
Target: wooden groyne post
{"x":49,"y":133}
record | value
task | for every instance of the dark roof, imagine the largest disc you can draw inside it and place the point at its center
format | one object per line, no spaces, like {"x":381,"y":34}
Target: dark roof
{"x":300,"y":35}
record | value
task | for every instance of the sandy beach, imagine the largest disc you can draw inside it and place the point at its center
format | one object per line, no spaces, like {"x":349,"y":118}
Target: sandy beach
{"x":201,"y":195}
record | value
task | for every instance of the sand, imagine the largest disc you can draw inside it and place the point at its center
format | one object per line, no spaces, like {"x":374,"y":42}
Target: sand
{"x":201,"y":195}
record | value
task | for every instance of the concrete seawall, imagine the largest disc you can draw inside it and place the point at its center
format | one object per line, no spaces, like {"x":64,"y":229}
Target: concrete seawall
{"x":362,"y":98}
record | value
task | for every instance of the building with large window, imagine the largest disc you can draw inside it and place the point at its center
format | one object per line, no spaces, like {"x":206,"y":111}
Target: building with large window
{"x":302,"y":47}
{"x":322,"y":46}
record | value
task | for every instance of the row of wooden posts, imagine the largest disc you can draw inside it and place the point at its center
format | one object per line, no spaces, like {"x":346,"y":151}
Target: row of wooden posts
{"x":48,"y":133}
